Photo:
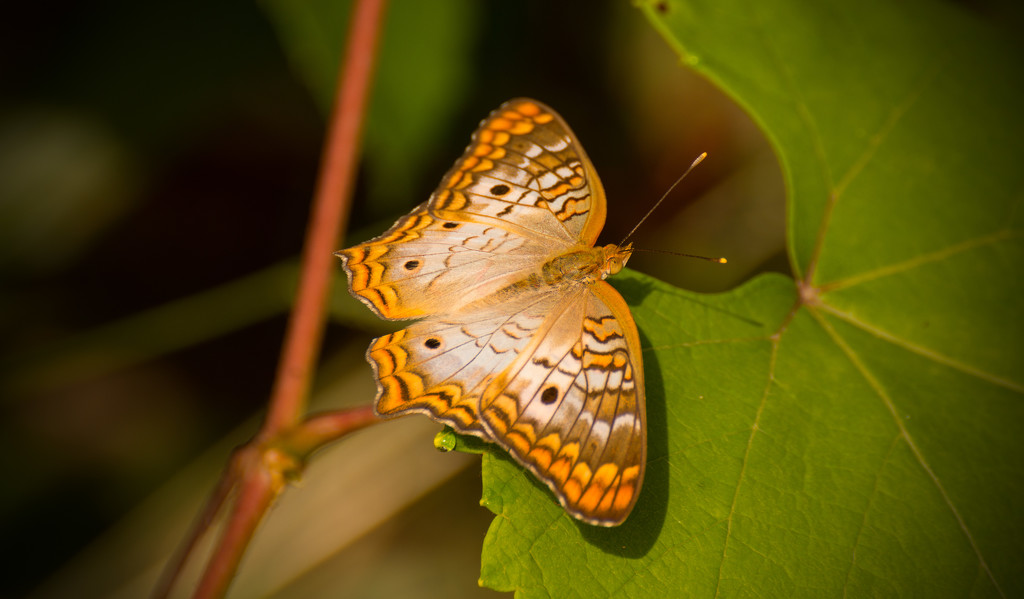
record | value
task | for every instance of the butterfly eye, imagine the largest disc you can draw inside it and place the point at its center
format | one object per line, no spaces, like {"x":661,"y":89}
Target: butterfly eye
{"x":412,"y":264}
{"x":500,"y":190}
{"x":613,"y":266}
{"x":450,"y":225}
{"x":549,"y":395}
{"x":432,"y":343}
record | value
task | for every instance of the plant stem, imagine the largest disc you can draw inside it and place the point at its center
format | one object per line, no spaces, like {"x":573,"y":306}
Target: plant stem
{"x":259,"y":484}
{"x":320,"y":429}
{"x":258,"y":472}
{"x":329,"y":214}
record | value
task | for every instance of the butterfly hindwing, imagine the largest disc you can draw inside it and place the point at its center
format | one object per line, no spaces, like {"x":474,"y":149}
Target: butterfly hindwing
{"x":571,"y":408}
{"x":440,"y":366}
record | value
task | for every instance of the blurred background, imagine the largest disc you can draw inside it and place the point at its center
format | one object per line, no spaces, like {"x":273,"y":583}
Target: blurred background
{"x":156,"y":166}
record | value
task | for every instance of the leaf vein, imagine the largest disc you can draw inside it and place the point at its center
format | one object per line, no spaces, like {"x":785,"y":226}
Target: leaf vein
{"x":882,"y":394}
{"x":917,"y":261}
{"x":867,"y":509}
{"x":746,"y":459}
{"x":922,"y":351}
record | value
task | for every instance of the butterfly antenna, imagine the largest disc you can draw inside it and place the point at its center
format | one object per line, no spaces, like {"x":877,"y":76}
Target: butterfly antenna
{"x":718,"y":260}
{"x":658,"y":203}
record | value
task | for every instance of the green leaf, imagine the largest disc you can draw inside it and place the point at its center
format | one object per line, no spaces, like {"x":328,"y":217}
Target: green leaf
{"x":854,"y":431}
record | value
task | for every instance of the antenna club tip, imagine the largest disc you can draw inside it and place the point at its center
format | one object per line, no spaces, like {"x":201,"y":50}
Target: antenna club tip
{"x":723,"y":261}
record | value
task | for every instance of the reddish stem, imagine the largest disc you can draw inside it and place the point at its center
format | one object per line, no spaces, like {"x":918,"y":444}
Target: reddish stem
{"x":260,"y":483}
{"x":320,"y":429}
{"x":257,"y":473}
{"x":329,"y":215}
{"x":225,"y":486}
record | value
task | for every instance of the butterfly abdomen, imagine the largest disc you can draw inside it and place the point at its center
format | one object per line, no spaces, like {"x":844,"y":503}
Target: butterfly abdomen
{"x":581,"y":266}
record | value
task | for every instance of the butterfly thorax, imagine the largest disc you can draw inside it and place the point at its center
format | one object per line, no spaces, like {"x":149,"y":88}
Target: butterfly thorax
{"x":585,"y":265}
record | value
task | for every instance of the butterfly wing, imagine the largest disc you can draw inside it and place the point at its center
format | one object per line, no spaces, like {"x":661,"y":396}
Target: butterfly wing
{"x":441,"y":366}
{"x":427,"y":265}
{"x":526,"y":169}
{"x":523,"y":192}
{"x":539,"y":360}
{"x":571,"y":407}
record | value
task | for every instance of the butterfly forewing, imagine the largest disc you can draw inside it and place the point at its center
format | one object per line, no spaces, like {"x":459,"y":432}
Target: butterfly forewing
{"x":521,"y":342}
{"x":425,"y":265}
{"x":522,"y":192}
{"x":525,"y":170}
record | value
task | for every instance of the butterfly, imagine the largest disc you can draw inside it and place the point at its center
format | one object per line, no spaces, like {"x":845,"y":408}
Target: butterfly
{"x":519,"y":340}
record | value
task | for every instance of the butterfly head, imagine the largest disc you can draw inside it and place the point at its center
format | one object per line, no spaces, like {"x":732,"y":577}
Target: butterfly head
{"x":615,"y":258}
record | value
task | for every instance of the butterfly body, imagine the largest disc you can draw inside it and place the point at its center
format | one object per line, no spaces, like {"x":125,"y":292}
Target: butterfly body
{"x":521,"y":342}
{"x":583,"y":266}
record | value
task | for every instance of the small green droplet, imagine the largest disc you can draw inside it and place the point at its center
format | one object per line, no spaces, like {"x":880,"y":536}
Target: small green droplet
{"x":445,"y":440}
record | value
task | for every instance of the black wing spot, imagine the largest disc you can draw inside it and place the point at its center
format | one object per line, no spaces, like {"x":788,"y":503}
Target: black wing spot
{"x":412,"y":265}
{"x":432,"y":343}
{"x":549,"y":395}
{"x":450,"y":225}
{"x":501,"y":189}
